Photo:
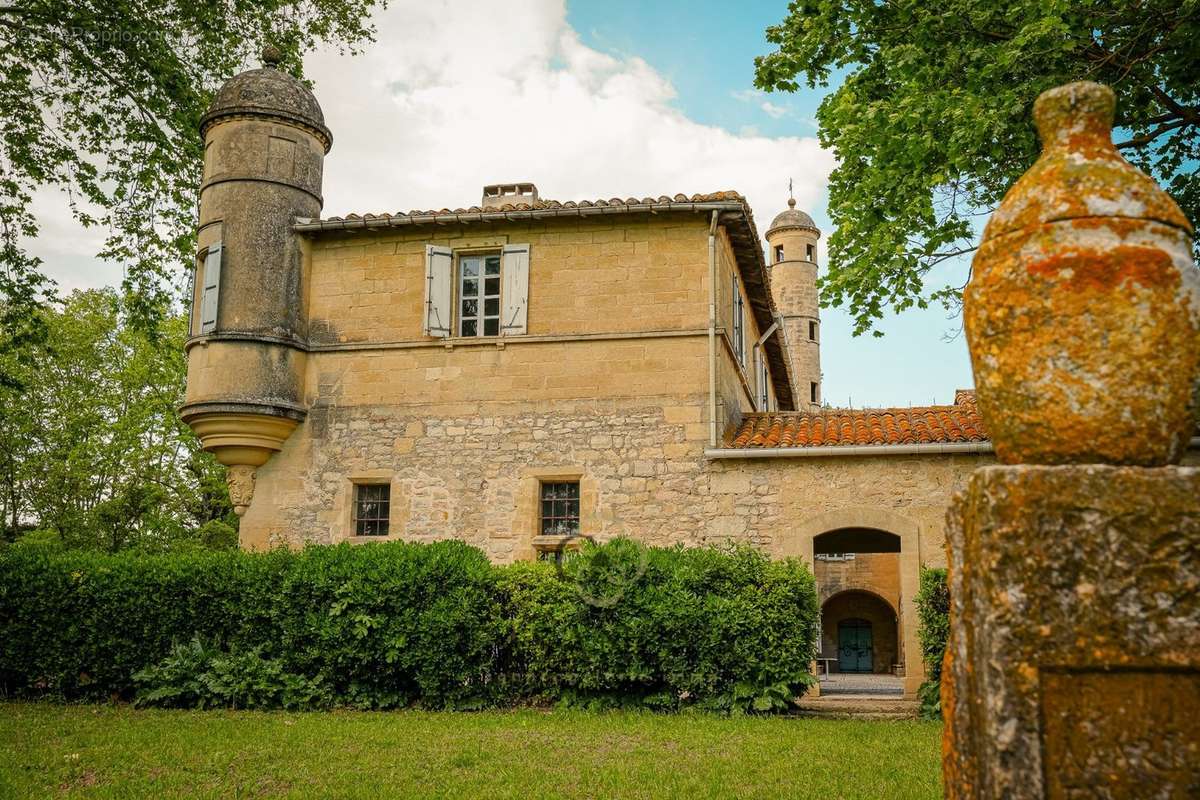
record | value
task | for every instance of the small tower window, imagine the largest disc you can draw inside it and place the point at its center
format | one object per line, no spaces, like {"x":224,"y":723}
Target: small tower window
{"x":810,"y":253}
{"x":812,"y":391}
{"x":812,"y":331}
{"x":778,"y":253}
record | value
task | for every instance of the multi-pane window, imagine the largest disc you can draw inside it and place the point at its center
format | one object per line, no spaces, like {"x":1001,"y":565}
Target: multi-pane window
{"x":372,"y":505}
{"x":739,"y":323}
{"x":479,"y":295}
{"x":560,"y":508}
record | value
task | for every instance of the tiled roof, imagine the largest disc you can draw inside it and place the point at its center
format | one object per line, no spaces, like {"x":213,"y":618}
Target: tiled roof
{"x":615,"y":205}
{"x":864,"y":426}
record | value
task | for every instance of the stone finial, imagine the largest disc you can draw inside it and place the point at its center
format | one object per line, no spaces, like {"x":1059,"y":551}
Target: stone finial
{"x":1083,"y":310}
{"x":272,"y":56}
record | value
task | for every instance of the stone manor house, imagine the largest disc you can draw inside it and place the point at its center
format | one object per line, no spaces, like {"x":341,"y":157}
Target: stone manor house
{"x":522,"y":372}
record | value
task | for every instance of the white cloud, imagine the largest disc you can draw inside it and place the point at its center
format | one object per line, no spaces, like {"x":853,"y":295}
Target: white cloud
{"x":772,"y":110}
{"x":455,"y":94}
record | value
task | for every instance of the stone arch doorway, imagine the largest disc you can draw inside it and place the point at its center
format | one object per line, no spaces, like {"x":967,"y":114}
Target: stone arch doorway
{"x":859,"y":634}
{"x":870,"y":550}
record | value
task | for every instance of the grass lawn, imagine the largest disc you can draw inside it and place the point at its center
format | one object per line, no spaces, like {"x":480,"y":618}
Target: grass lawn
{"x":101,"y":751}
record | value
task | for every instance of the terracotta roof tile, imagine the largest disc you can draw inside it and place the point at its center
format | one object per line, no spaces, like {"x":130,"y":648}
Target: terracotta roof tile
{"x":545,"y":204}
{"x":959,"y":422}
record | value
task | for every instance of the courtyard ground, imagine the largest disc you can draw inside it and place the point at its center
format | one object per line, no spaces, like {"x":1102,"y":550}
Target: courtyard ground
{"x":104,"y":751}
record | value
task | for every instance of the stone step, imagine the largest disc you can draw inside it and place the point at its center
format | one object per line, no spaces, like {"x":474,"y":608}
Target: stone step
{"x":858,"y":707}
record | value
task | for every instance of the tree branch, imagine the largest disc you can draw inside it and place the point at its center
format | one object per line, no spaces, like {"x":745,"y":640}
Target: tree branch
{"x":1147,"y":138}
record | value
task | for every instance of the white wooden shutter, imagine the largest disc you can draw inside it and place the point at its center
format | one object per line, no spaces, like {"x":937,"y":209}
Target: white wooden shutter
{"x":439,"y":279}
{"x":212,"y":289}
{"x":760,"y":378}
{"x":514,"y":292}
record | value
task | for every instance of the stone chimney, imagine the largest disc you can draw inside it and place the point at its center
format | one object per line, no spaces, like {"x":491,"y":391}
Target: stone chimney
{"x":498,"y":195}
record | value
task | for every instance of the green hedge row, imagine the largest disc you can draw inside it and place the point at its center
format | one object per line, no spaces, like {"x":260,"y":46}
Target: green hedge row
{"x":933,"y":629}
{"x":397,"y":624}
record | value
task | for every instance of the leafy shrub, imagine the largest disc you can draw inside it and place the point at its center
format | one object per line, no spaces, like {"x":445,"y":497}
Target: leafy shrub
{"x":381,"y":626}
{"x":396,"y":624}
{"x":216,"y":535}
{"x":933,"y":629}
{"x":723,"y":630}
{"x":196,"y":676}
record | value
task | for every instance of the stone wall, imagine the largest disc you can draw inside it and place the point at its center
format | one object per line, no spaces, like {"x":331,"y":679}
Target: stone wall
{"x":878,"y":573}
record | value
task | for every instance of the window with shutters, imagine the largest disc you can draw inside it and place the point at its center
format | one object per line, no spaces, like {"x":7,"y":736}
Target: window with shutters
{"x":474,"y":294}
{"x":739,"y":323}
{"x":479,"y":295}
{"x":372,"y":509}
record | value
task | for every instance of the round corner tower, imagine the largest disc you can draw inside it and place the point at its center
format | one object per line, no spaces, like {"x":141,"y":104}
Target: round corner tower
{"x":792,"y":254}
{"x":265,"y":142}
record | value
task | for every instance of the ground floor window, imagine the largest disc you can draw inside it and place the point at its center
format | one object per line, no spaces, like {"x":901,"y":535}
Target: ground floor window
{"x":372,"y":507}
{"x":560,"y":508}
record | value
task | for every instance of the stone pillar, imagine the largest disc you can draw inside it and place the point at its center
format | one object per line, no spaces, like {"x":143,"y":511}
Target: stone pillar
{"x":1073,"y":666}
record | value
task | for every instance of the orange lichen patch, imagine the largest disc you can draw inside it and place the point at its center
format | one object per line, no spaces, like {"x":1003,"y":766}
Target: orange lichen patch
{"x":845,"y":427}
{"x":1110,"y":269}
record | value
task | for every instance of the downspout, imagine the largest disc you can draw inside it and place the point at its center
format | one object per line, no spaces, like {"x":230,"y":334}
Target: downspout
{"x":712,"y":331}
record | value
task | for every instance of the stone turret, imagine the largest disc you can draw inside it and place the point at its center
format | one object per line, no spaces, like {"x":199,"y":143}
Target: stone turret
{"x":792,"y":254}
{"x":265,"y":142}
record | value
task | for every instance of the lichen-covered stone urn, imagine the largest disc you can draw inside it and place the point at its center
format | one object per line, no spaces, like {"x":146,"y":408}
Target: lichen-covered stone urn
{"x":1083,"y":309}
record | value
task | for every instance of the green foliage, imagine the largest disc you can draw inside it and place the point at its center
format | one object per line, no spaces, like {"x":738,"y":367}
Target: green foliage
{"x":933,"y":629}
{"x":91,"y":444}
{"x":394,"y":624}
{"x":195,"y":676}
{"x":102,"y":100}
{"x":724,"y":630}
{"x":932,"y":124}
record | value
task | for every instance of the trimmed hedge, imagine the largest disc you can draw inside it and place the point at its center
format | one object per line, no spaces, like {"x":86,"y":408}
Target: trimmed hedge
{"x":933,"y":629}
{"x":396,"y":624}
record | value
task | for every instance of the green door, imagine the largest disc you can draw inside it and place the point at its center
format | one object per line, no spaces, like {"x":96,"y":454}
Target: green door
{"x":855,"y":648}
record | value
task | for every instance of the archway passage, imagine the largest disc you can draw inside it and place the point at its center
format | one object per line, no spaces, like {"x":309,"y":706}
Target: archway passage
{"x":859,"y":634}
{"x":856,"y":540}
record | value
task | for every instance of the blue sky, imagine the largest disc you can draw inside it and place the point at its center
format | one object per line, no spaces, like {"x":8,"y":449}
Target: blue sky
{"x":707,"y":53}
